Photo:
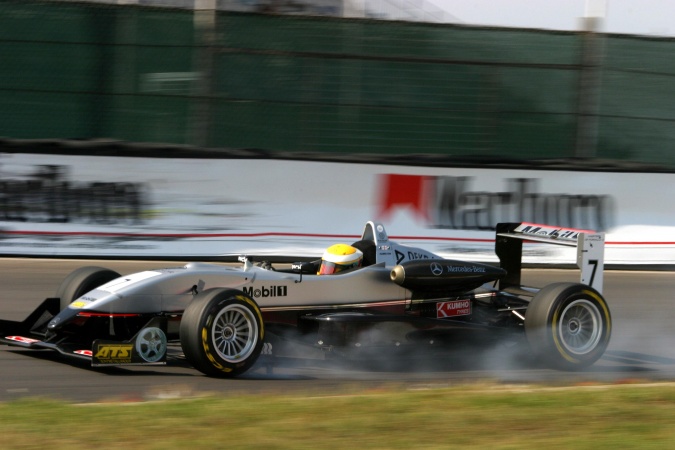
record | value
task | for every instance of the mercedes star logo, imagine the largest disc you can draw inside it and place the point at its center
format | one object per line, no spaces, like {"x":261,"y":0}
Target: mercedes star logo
{"x":436,"y":269}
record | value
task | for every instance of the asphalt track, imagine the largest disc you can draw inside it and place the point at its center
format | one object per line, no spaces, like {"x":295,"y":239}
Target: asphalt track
{"x":642,"y":348}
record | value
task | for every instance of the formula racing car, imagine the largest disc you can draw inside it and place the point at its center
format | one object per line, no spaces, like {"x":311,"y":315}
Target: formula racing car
{"x":223,"y":317}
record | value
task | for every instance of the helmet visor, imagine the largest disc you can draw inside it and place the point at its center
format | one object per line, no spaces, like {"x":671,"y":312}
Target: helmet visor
{"x":329,"y":268}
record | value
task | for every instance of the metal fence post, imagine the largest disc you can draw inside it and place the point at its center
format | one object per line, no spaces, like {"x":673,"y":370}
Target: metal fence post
{"x":592,"y":52}
{"x":201,"y":115}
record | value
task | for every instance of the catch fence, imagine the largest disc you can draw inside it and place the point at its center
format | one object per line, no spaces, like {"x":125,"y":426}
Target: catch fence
{"x":292,"y":83}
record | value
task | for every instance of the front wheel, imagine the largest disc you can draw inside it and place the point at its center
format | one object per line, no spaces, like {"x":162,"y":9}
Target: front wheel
{"x":568,"y":325}
{"x":221,"y":332}
{"x":81,"y":281}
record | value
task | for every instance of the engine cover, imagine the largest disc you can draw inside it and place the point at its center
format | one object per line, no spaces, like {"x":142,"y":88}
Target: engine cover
{"x":453,"y":275}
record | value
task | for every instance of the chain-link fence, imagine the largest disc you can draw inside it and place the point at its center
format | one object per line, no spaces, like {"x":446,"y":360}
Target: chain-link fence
{"x":305,"y":83}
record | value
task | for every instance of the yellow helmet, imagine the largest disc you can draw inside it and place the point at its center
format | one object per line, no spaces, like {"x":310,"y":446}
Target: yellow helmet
{"x":340,"y":257}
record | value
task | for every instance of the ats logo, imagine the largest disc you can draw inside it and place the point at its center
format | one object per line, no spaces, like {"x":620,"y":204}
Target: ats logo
{"x":453,"y":203}
{"x":114,"y":353}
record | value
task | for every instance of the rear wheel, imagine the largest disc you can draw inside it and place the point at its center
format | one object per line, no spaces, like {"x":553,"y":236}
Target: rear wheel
{"x":568,"y":325}
{"x":221,"y":332}
{"x":81,"y":281}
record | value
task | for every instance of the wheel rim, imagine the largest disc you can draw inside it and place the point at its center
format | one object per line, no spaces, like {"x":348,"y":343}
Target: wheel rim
{"x":151,"y":344}
{"x":235,"y":333}
{"x":580,"y":327}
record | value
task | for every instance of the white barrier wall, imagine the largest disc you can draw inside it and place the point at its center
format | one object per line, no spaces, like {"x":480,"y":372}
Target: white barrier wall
{"x":56,"y":205}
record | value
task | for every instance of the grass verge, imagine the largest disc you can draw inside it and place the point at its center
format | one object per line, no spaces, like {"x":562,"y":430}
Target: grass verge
{"x":496,"y":417}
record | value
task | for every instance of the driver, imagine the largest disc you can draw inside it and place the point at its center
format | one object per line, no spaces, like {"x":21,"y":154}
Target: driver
{"x":338,"y":258}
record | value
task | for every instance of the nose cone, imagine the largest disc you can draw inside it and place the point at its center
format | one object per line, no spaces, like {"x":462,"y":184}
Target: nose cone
{"x":62,"y":318}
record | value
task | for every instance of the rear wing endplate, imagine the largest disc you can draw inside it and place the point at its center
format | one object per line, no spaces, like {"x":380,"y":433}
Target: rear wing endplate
{"x":509,"y":249}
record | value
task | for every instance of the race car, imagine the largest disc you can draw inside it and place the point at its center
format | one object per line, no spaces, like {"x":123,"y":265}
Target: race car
{"x":223,"y":316}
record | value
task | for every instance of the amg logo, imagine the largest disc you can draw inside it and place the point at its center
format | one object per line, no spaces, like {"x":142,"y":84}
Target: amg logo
{"x":271,"y":291}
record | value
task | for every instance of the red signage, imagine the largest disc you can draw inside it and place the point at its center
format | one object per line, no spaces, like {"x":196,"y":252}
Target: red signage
{"x":453,"y":309}
{"x":22,"y":339}
{"x":404,"y":191}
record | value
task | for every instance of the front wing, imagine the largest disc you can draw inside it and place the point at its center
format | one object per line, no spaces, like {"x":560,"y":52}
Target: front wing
{"x":139,"y":350}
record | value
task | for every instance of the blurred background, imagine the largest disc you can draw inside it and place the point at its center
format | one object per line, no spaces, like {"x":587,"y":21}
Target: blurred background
{"x":386,"y":77}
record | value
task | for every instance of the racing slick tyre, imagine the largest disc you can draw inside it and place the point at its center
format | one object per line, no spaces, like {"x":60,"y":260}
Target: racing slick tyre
{"x":81,"y":281}
{"x":221,"y":332}
{"x":568,"y":325}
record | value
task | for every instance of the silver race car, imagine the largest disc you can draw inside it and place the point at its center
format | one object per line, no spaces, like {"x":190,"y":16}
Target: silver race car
{"x":223,"y":317}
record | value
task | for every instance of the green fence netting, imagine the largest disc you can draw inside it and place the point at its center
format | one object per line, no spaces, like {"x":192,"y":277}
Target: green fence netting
{"x":317,"y":84}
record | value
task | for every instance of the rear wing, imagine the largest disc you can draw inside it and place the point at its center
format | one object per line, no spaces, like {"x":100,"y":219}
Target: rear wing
{"x":509,"y":249}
